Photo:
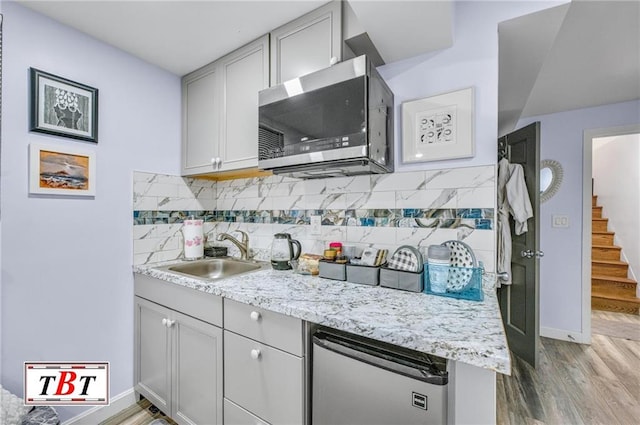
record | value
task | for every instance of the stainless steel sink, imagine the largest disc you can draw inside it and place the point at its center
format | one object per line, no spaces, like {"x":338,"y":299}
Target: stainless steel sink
{"x":216,"y":268}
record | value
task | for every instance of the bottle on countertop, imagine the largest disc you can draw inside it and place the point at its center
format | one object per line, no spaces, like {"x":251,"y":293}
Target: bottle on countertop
{"x":438,"y":260}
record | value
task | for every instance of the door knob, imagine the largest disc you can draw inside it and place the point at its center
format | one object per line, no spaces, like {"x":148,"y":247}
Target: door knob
{"x":255,"y":353}
{"x":503,"y":275}
{"x":530,"y":254}
{"x":255,"y":316}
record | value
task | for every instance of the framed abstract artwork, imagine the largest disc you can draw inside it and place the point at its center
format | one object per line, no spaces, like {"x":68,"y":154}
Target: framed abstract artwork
{"x":439,"y":127}
{"x":62,"y":107}
{"x":55,"y":171}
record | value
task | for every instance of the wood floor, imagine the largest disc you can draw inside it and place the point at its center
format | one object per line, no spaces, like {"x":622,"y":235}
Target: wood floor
{"x":576,"y":383}
{"x":141,"y":413}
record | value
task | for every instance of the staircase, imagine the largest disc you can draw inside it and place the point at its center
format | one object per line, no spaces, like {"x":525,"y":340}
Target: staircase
{"x":611,"y":290}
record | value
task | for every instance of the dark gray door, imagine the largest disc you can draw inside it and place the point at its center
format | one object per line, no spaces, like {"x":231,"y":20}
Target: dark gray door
{"x":519,"y":302}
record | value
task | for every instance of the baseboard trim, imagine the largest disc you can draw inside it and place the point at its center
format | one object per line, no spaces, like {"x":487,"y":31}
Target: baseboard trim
{"x":563,"y":335}
{"x":98,"y":414}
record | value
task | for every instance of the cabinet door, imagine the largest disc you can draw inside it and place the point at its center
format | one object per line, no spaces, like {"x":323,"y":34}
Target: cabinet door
{"x":197,"y":372}
{"x":267,"y":382}
{"x":236,"y":415}
{"x":306,"y":44}
{"x":244,"y":73}
{"x":200,"y":117}
{"x":153,"y":353}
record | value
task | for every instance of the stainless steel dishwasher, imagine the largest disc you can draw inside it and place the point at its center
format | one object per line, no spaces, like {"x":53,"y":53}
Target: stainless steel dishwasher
{"x":358,"y":381}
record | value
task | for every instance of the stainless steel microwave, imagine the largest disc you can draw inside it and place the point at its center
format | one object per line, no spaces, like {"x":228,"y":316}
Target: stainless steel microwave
{"x":334,"y":122}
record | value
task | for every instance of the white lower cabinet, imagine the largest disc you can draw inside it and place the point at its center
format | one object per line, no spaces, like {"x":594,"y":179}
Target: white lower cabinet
{"x":236,"y":415}
{"x":264,"y":366}
{"x":264,"y":380}
{"x":178,"y":360}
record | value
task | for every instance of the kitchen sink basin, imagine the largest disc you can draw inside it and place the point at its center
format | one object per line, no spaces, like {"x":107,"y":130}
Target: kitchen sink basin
{"x":216,"y":268}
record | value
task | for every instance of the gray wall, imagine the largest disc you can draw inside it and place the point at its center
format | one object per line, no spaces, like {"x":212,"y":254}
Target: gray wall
{"x":561,"y":268}
{"x":67,"y":286}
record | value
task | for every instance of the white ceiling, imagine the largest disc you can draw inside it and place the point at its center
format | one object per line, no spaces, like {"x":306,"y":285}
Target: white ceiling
{"x":573,"y":56}
{"x":578,"y":55}
{"x":402,"y":29}
{"x":179,"y":36}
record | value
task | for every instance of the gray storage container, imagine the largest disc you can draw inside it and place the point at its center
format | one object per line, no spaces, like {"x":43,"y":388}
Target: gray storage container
{"x":366,"y":275}
{"x":331,"y":270}
{"x":397,"y":279}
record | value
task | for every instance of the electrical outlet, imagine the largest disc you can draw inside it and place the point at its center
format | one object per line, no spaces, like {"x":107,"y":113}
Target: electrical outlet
{"x":560,"y":221}
{"x":316,"y":222}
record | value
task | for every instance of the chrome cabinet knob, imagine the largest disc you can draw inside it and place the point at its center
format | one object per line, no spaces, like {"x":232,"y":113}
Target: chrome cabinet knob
{"x":255,"y":316}
{"x":255,"y":353}
{"x":216,"y":162}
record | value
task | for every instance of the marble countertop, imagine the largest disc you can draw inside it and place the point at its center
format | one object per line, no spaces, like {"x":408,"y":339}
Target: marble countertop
{"x":465,"y":331}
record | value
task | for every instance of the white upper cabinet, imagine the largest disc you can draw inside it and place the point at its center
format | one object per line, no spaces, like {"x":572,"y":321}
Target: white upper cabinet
{"x":244,"y":73}
{"x":220,"y":111}
{"x":200,"y":118}
{"x":307,"y":44}
{"x":220,"y":100}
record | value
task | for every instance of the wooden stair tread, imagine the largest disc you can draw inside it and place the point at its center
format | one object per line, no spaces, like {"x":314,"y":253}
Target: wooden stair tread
{"x":598,"y":294}
{"x":606,"y":246}
{"x":613,"y":278}
{"x":610,"y":262}
{"x":602,"y":232}
{"x":599,"y":219}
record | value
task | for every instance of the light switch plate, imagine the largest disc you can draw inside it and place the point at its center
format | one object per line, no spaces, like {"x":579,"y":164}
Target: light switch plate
{"x":316,"y":222}
{"x":560,"y":221}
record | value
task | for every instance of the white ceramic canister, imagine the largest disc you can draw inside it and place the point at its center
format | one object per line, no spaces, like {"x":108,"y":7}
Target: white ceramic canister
{"x":193,"y":239}
{"x":438,"y":260}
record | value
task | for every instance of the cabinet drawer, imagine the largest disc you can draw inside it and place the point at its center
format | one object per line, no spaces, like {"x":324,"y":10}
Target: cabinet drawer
{"x":189,"y":301}
{"x":236,"y":415}
{"x":263,"y":380}
{"x":271,"y":328}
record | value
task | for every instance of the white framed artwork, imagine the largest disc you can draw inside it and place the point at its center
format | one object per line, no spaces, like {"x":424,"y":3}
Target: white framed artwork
{"x":65,"y":171}
{"x":439,"y":127}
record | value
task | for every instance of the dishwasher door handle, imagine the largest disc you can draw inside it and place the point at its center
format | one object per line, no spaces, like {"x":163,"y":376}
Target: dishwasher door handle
{"x":368,"y":355}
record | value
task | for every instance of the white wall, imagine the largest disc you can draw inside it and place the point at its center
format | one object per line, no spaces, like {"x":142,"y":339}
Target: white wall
{"x":561,"y":268}
{"x":472,"y":61}
{"x":67,"y":286}
{"x":616,"y":174}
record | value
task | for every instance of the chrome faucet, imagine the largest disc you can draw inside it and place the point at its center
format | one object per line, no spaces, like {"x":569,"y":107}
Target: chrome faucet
{"x":242,"y":246}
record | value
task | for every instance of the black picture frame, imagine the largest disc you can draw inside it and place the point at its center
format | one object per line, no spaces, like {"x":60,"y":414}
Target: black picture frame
{"x":63,"y":107}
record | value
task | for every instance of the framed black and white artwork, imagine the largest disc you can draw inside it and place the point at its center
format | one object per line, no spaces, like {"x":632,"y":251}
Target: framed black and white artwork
{"x":439,"y":127}
{"x":62,"y":107}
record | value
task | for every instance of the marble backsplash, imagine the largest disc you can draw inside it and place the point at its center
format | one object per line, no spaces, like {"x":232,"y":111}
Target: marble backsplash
{"x":417,"y":208}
